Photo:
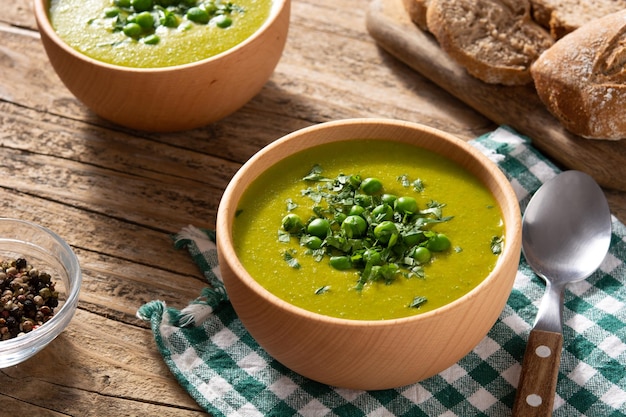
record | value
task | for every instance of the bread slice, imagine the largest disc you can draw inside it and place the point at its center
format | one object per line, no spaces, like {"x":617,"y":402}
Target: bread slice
{"x":582,"y":78}
{"x":416,"y":9}
{"x":495,"y":40}
{"x":564,"y":16}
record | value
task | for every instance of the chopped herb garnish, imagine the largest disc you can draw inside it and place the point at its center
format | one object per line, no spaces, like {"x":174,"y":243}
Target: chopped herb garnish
{"x":404,"y":180}
{"x":288,"y":256}
{"x":283,"y":236}
{"x":291,"y":205}
{"x":322,"y":290}
{"x":496,"y":245}
{"x":315,"y":174}
{"x":355,"y":225}
{"x":418,"y":301}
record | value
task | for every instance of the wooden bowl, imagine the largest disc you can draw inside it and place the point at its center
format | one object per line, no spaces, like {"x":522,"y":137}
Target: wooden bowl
{"x":171,"y":98}
{"x":369,"y":355}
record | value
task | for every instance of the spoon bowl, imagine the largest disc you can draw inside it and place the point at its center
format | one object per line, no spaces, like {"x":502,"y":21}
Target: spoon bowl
{"x":566,"y":228}
{"x":566,"y":233}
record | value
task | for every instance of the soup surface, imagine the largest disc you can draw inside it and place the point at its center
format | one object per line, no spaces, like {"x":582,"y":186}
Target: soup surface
{"x":312,"y":284}
{"x":84,"y":26}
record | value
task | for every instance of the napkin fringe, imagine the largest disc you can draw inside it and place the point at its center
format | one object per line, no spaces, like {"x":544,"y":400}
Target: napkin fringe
{"x":201,"y":246}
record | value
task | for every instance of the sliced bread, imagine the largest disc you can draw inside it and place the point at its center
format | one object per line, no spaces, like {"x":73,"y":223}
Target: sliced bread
{"x":495,"y":40}
{"x":564,"y":16}
{"x":582,"y":78}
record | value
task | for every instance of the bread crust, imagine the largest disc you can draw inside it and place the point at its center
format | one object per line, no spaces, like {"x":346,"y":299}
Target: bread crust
{"x":416,"y":10}
{"x":495,"y":40}
{"x":582,"y":79}
{"x":564,"y":16}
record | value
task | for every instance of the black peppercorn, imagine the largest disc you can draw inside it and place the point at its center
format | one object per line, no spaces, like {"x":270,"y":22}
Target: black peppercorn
{"x":27,"y":298}
{"x":20,"y":263}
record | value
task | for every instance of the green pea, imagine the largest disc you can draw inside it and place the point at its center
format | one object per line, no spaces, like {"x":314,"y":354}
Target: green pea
{"x":371,"y":186}
{"x":355,"y":181}
{"x":210,"y":7}
{"x":319,"y":227}
{"x":363,"y":200}
{"x":151,"y":39}
{"x":122,"y":3}
{"x":354,"y":226}
{"x":340,"y":217}
{"x":311,"y":242}
{"x":198,"y":15}
{"x":389,"y":199}
{"x":145,"y":20}
{"x":356,"y":210}
{"x":169,"y":19}
{"x":385,"y":231}
{"x":132,"y":30}
{"x":340,"y":262}
{"x":438,"y":243}
{"x":421,"y":255}
{"x":372,"y":256}
{"x":406,"y":205}
{"x":223,"y":21}
{"x":382,"y":212}
{"x":412,"y":238}
{"x":292,"y":223}
{"x":141,"y":5}
{"x":111,"y":11}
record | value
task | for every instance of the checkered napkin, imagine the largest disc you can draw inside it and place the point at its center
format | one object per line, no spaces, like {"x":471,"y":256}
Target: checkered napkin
{"x":228,"y":374}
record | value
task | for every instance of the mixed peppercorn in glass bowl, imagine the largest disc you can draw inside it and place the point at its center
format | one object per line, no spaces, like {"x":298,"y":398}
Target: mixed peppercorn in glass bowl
{"x":40,"y":280}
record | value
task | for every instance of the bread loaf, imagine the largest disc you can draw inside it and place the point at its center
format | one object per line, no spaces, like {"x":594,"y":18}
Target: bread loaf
{"x":564,"y":16}
{"x":582,"y":79}
{"x":495,"y":40}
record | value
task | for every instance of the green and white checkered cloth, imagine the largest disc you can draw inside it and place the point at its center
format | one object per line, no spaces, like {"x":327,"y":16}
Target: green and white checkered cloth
{"x":228,"y":374}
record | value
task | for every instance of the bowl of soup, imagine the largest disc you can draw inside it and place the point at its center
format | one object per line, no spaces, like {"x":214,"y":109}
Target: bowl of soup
{"x":368,"y":253}
{"x":163,"y":65}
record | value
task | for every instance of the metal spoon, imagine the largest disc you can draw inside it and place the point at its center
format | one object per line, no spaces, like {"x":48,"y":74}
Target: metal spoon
{"x":566,"y":232}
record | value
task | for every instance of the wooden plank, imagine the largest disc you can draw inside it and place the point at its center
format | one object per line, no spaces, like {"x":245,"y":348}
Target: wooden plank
{"x":97,"y":367}
{"x":518,"y":107}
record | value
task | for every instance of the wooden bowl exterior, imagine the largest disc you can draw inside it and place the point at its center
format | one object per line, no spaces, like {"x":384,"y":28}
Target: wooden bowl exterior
{"x":369,"y":355}
{"x":170,"y":98}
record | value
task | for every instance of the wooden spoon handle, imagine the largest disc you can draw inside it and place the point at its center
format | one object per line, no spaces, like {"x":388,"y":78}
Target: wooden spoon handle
{"x":540,"y":369}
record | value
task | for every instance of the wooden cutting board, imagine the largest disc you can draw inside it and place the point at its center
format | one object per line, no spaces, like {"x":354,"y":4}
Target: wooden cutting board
{"x":518,"y":107}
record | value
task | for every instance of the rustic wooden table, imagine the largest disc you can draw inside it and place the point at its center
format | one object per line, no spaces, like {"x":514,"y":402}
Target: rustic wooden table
{"x":116,"y":195}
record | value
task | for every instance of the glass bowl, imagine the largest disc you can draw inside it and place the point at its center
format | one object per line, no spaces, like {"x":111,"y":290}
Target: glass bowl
{"x":46,"y":251}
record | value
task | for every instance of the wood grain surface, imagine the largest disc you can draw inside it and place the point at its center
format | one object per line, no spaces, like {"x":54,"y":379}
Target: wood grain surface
{"x":518,"y":107}
{"x":116,"y":195}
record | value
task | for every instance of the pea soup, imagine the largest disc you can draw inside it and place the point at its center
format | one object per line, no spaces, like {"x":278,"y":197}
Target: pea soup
{"x":156,"y":33}
{"x":308,"y":230}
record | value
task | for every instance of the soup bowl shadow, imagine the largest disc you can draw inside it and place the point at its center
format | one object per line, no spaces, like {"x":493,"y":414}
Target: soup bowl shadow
{"x":367,"y":354}
{"x":173,"y":98}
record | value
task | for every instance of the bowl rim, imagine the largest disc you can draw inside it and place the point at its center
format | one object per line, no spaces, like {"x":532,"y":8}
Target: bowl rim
{"x":512,"y":231}
{"x":60,"y":319}
{"x":42,"y":17}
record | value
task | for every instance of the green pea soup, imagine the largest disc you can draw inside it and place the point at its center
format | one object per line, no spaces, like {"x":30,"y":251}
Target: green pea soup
{"x":83,"y":26}
{"x":476,"y":220}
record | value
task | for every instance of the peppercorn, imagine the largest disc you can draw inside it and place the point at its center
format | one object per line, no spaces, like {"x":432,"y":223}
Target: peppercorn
{"x":20,"y":263}
{"x":27,"y":298}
